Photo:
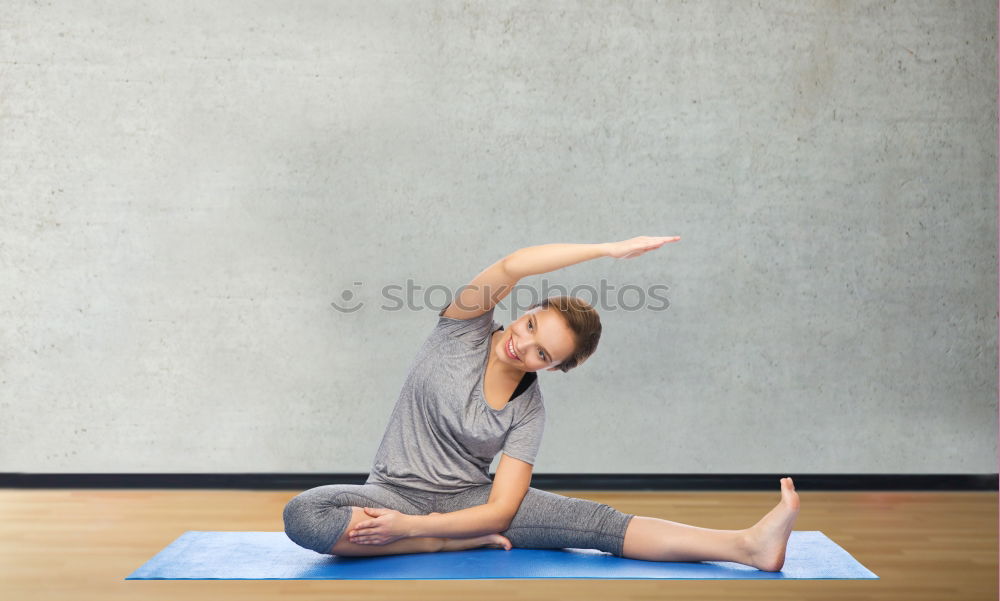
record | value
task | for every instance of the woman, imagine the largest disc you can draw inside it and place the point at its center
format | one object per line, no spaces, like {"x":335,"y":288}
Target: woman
{"x":472,"y":392}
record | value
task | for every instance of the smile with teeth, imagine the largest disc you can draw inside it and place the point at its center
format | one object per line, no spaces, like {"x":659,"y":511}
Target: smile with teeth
{"x":510,"y":349}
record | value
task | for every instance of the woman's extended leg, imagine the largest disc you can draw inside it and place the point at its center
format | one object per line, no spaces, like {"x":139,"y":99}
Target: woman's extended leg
{"x":546,"y":520}
{"x":762,"y":545}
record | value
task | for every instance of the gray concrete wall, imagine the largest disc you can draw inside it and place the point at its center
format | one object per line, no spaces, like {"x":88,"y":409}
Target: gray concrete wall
{"x":188,"y":186}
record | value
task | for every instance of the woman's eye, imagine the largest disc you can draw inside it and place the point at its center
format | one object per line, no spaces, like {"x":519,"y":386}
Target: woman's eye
{"x":540,"y":353}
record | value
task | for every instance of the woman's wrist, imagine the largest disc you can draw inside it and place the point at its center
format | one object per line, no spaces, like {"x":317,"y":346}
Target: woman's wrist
{"x":413,"y":525}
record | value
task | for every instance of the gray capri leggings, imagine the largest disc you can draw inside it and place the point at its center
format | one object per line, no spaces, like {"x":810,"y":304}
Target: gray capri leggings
{"x":317,"y":518}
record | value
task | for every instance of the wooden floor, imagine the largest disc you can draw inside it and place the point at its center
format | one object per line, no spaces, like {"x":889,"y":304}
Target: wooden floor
{"x":80,"y":545}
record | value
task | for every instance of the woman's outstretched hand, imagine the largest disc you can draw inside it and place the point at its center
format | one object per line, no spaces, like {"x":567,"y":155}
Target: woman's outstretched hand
{"x":388,"y":526}
{"x":626,"y":249}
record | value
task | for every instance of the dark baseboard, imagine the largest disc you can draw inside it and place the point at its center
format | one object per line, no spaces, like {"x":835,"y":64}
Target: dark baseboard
{"x":733,"y":482}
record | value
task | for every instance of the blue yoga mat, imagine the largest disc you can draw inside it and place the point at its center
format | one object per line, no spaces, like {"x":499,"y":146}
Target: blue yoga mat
{"x":272,"y":556}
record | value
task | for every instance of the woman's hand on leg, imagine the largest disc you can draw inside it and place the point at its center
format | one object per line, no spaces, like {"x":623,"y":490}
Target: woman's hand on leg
{"x":387,"y":525}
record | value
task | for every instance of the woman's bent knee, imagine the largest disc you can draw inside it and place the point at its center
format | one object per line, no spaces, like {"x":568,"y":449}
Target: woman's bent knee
{"x":314,"y":522}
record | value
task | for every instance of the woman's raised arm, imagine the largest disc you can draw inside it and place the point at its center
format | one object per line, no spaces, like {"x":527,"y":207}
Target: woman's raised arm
{"x":550,"y":257}
{"x":495,"y":282}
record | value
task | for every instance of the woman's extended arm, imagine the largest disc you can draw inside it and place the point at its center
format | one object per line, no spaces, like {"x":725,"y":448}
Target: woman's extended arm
{"x":389,"y":525}
{"x":544,"y":258}
{"x":533,"y":260}
{"x":464,"y":523}
{"x":495,"y":282}
{"x":510,"y":485}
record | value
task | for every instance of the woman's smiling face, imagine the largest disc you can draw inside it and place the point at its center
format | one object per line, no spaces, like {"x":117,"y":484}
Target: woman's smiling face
{"x":540,"y":339}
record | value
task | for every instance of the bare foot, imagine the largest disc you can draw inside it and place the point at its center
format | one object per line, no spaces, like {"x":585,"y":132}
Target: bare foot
{"x":489,"y":541}
{"x":767,"y":539}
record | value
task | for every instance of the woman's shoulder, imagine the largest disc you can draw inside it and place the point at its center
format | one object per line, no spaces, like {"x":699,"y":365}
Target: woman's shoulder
{"x":534,"y":393}
{"x":472,"y":331}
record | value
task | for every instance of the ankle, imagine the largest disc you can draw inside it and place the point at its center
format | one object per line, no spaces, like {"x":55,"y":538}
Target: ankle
{"x":747,"y":544}
{"x":461,"y":544}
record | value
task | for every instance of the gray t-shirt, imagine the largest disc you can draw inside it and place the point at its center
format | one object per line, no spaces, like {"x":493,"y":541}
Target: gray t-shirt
{"x":443,"y":435}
